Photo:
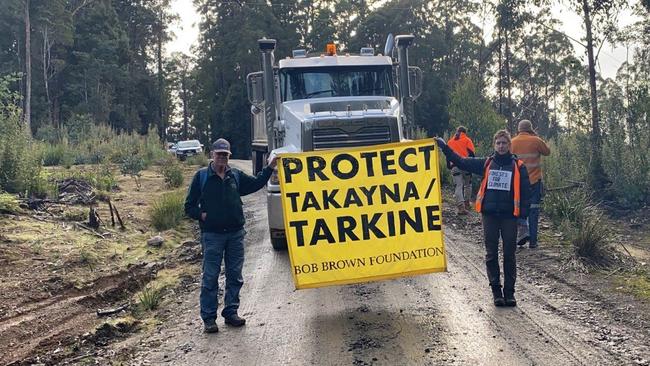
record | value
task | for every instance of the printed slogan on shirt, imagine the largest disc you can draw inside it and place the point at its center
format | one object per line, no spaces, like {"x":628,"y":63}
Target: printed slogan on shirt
{"x":363,"y":214}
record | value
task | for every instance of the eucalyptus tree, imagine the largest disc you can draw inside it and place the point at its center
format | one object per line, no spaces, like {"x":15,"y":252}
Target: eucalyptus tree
{"x":599,"y":17}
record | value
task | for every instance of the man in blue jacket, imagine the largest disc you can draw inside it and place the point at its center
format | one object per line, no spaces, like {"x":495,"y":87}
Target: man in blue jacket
{"x":214,"y":200}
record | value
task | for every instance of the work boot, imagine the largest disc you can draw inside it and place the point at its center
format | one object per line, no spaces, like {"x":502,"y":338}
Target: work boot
{"x":498,"y":296}
{"x":522,"y":235}
{"x":210,"y":328}
{"x":468,"y":207}
{"x":461,"y":209}
{"x":510,"y":299}
{"x":235,"y":320}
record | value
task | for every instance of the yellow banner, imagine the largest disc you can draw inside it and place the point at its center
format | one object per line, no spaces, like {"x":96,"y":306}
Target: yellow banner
{"x":363,"y":214}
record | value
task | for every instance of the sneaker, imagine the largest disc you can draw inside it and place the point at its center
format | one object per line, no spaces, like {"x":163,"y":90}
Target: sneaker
{"x":235,"y":320}
{"x":510,"y":300}
{"x":210,"y":328}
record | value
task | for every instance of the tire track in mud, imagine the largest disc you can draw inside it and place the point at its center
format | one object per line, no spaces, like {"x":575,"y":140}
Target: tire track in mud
{"x":548,"y":327}
{"x":44,"y":324}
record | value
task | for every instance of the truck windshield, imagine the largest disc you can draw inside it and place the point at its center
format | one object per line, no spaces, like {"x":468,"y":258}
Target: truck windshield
{"x":335,"y":81}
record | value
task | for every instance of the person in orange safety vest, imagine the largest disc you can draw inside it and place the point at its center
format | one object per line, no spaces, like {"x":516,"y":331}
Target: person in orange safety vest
{"x":530,"y":148}
{"x":462,"y":145}
{"x":503,"y":197}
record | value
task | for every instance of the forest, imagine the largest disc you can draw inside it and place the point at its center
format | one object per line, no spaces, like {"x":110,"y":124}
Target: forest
{"x":70,"y":68}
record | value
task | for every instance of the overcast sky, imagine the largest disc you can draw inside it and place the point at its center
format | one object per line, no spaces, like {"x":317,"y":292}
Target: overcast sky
{"x":186,"y":31}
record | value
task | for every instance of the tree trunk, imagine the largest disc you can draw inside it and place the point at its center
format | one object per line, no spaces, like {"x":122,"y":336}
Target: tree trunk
{"x":597,"y":176}
{"x":46,"y":66}
{"x":507,"y":65}
{"x":27,"y":113}
{"x":184,"y":99}
{"x":500,"y":73}
{"x":161,"y":128}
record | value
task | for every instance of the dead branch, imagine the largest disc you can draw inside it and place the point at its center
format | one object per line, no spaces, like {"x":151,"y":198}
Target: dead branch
{"x":119,"y":219}
{"x":112,"y":311}
{"x":92,"y":231}
{"x":573,"y":185}
{"x":110,"y":207}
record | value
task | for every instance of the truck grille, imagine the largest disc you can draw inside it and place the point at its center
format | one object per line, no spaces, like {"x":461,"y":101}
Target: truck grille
{"x":328,"y":138}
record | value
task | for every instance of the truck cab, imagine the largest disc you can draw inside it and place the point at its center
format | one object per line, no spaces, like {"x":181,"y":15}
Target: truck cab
{"x":326,"y":101}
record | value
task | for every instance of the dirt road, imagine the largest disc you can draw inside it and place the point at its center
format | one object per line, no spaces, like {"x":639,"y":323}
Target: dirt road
{"x":436,"y":319}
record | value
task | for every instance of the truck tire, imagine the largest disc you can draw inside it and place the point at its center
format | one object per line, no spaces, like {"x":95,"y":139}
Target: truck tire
{"x":279,"y":244}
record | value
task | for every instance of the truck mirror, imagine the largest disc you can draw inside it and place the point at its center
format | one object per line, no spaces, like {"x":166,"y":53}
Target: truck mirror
{"x":415,"y":79}
{"x":255,"y":88}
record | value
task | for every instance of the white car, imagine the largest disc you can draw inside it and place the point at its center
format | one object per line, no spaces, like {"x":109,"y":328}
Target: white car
{"x":188,"y":148}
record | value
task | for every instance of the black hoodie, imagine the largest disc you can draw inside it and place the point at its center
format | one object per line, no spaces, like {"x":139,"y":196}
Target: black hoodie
{"x":220,"y":198}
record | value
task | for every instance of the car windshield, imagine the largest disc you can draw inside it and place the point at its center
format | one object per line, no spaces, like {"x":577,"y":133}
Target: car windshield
{"x":335,"y":81}
{"x":191,"y":143}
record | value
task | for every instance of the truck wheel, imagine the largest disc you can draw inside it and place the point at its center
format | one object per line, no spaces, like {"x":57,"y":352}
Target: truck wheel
{"x":182,"y":157}
{"x":279,"y":244}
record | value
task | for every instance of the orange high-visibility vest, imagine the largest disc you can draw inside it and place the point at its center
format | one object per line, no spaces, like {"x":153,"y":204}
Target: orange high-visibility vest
{"x":517,"y":186}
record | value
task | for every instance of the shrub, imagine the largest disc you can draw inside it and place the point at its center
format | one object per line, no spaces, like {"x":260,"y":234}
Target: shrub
{"x":200,"y":160}
{"x":589,"y":240}
{"x":8,"y":203}
{"x":173,"y":174}
{"x":53,"y":154}
{"x":168,"y":210}
{"x":132,"y":166}
{"x":571,"y":206}
{"x":150,"y":297}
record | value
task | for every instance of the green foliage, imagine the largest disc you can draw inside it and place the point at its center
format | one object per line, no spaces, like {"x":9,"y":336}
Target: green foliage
{"x":173,"y":174}
{"x":133,"y":166}
{"x":150,"y":297}
{"x":200,"y":160}
{"x":99,"y":177}
{"x":572,"y":206}
{"x":167,"y":211}
{"x":589,"y":240}
{"x":468,"y":107}
{"x":53,"y":154}
{"x":20,"y":163}
{"x":8,"y":203}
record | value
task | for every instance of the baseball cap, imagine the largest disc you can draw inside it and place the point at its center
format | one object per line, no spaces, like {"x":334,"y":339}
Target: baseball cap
{"x":221,"y":145}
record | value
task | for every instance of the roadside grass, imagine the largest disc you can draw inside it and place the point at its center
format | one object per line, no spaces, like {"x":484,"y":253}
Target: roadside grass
{"x":9,"y":203}
{"x":150,"y":297}
{"x":636,"y":282}
{"x":168,"y":210}
{"x":200,"y":160}
{"x":577,"y":215}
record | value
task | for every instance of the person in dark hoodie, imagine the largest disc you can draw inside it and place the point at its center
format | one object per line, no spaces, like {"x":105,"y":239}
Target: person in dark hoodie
{"x":214,"y":200}
{"x":503,"y":197}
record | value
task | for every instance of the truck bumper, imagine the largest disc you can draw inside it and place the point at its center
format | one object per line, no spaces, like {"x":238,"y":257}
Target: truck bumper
{"x":276,"y":216}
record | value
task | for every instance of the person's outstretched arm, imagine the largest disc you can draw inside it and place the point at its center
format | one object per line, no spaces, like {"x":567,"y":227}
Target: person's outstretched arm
{"x":472,"y":165}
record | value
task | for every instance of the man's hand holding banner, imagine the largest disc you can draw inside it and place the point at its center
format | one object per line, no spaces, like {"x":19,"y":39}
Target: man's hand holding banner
{"x":363,"y":214}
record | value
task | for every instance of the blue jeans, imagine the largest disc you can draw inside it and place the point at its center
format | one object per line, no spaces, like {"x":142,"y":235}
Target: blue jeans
{"x":536,"y":192}
{"x":230,"y":248}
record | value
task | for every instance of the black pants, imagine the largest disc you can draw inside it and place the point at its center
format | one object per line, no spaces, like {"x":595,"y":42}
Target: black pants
{"x":506,"y":228}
